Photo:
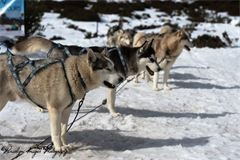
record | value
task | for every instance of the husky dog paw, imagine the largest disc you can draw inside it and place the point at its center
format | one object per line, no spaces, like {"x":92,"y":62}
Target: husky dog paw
{"x":65,"y":148}
{"x":156,"y":89}
{"x":136,"y":81}
{"x":166,"y":88}
{"x":143,"y":76}
{"x":116,"y":114}
{"x":40,"y":110}
{"x":148,"y":80}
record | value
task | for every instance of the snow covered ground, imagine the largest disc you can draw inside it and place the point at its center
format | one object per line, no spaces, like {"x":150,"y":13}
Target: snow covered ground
{"x":198,"y":119}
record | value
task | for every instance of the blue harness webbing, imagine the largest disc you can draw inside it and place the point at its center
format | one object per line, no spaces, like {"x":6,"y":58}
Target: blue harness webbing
{"x":15,"y":69}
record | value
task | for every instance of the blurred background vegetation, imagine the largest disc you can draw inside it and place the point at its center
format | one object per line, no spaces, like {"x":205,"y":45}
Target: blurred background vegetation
{"x":83,"y":10}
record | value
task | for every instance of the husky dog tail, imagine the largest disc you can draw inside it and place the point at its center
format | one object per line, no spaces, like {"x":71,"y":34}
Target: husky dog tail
{"x":166,"y":29}
{"x":138,"y":39}
{"x":39,"y":47}
{"x":32,"y":44}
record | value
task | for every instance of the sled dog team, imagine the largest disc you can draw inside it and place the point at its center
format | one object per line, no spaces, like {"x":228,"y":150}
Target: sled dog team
{"x":67,"y":73}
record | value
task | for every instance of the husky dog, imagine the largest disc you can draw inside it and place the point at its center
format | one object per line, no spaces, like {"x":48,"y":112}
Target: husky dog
{"x":57,"y":86}
{"x":168,"y":45}
{"x":127,"y":61}
{"x":119,"y":37}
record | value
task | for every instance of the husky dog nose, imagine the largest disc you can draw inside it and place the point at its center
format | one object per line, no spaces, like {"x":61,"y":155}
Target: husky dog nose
{"x":159,"y":69}
{"x":120,"y":80}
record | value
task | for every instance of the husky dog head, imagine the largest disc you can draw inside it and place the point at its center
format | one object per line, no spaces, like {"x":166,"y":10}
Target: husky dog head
{"x":102,"y":65}
{"x":179,"y":40}
{"x":125,"y":38}
{"x":147,"y":59}
{"x":121,"y":37}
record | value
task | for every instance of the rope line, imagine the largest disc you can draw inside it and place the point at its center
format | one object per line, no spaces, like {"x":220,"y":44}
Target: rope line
{"x":50,"y":145}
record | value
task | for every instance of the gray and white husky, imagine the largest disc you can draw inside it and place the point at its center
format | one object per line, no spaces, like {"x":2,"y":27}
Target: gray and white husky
{"x":127,"y":61}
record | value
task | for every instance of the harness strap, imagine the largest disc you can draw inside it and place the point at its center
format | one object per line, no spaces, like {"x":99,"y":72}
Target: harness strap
{"x":19,"y":66}
{"x":83,"y":50}
{"x":82,"y":81}
{"x":17,"y":79}
{"x":68,"y":53}
{"x":36,"y":70}
{"x":162,"y":60}
{"x":123,"y":61}
{"x":59,"y":46}
{"x":68,"y":84}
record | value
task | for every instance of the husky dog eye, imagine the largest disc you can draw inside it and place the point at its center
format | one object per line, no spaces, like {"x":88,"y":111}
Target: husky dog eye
{"x":108,"y":69}
{"x":151,"y":59}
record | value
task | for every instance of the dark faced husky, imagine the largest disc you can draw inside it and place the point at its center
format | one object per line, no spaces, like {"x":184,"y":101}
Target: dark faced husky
{"x":127,"y":61}
{"x":56,"y":85}
{"x":168,"y":45}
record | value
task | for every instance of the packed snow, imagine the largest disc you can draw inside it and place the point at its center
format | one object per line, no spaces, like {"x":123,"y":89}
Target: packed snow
{"x":198,"y":119}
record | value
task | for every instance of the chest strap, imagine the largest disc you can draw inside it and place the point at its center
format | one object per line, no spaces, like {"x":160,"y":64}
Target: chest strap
{"x":125,"y":67}
{"x":61,"y":47}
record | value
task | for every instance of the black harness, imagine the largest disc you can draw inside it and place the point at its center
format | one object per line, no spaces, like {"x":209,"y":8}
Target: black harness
{"x":124,"y":65}
{"x":15,"y":69}
{"x":59,"y":46}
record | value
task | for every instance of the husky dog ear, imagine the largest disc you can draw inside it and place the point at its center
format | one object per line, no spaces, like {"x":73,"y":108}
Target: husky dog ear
{"x":91,"y":56}
{"x":121,"y":31}
{"x":104,"y":52}
{"x":105,"y":55}
{"x":180,"y":33}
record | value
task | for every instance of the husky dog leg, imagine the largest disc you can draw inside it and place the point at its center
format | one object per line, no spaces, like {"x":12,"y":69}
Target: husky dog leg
{"x":55,"y":116}
{"x":155,"y":81}
{"x":165,"y":79}
{"x":147,"y":77}
{"x":143,"y":75}
{"x":166,"y":75}
{"x":64,"y":124}
{"x":163,"y":64}
{"x":5,"y":95}
{"x":111,"y":102}
{"x":3,"y":102}
{"x":137,"y":78}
